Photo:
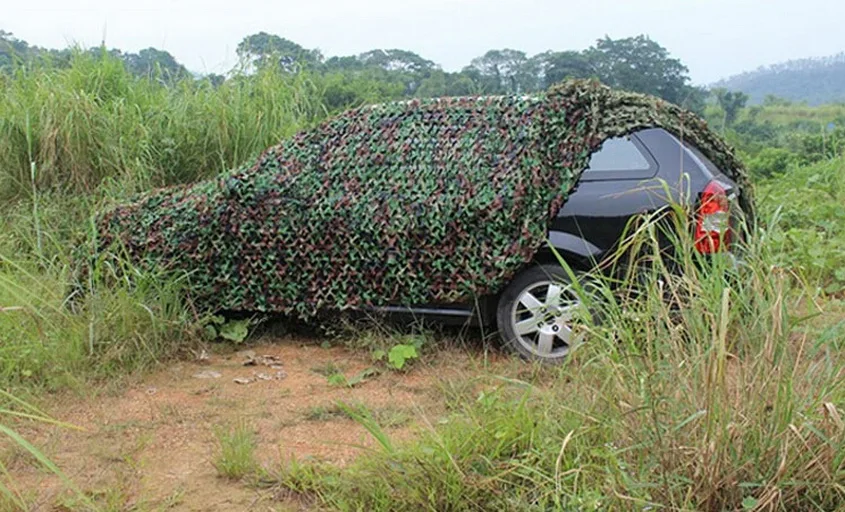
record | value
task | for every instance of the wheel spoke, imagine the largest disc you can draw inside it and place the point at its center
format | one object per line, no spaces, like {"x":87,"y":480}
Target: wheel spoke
{"x":545,"y":343}
{"x":553,"y":295}
{"x":565,"y":333}
{"x":527,"y":326}
{"x":530,"y":301}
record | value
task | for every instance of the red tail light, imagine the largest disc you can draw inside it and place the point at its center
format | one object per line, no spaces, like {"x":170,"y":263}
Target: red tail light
{"x":712,"y":223}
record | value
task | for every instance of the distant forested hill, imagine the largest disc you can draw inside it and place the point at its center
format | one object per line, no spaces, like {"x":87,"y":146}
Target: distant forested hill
{"x":815,"y":81}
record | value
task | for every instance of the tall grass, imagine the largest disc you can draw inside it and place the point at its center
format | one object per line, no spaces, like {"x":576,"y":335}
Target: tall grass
{"x":706,"y":389}
{"x":93,"y":121}
{"x":122,"y":324}
{"x":74,"y":137}
{"x":125,"y":326}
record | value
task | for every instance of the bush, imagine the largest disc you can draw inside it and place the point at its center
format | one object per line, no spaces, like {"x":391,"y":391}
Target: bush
{"x":771,"y":162}
{"x":806,"y":233}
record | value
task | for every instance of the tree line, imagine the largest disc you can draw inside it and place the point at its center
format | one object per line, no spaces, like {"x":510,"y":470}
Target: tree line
{"x":147,"y":62}
{"x":638,"y":64}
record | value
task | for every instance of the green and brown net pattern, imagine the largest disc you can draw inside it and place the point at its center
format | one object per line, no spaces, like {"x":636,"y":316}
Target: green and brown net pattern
{"x":402,"y":203}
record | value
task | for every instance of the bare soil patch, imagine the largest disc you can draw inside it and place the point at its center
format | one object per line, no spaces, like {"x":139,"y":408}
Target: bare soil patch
{"x":151,"y":446}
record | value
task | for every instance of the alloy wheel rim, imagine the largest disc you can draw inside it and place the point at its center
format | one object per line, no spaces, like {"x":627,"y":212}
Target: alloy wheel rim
{"x":543,"y":317}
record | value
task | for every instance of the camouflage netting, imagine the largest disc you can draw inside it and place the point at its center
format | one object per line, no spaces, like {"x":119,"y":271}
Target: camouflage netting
{"x":406,"y":203}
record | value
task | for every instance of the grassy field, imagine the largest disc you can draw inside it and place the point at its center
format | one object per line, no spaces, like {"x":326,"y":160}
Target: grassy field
{"x":731,"y":396}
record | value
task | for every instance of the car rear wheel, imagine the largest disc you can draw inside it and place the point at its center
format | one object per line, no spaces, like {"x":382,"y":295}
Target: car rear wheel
{"x":538,"y":314}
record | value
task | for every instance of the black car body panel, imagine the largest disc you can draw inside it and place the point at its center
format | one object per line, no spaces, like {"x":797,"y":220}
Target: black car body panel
{"x":597,"y":214}
{"x":594,"y":219}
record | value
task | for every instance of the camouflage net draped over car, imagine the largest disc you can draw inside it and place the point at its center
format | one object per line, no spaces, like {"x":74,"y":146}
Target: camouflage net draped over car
{"x":415,"y":202}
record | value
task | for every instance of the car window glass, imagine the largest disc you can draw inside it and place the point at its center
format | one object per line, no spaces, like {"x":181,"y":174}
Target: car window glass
{"x":618,"y":154}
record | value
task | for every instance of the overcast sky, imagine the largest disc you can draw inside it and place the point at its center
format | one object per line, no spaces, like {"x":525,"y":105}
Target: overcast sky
{"x":714,"y":38}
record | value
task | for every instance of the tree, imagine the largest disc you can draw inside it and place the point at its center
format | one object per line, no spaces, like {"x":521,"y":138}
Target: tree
{"x":347,"y":63}
{"x":391,"y":66}
{"x":263,"y":49}
{"x":440,"y":83}
{"x":397,"y":60}
{"x":154,"y":62}
{"x":342,"y":90}
{"x":504,"y":71}
{"x":402,"y":65}
{"x":639,"y":64}
{"x":12,"y":49}
{"x":558,"y":66}
{"x":731,"y":102}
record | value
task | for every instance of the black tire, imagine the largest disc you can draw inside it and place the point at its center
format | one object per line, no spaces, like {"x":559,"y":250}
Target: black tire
{"x":546,"y":317}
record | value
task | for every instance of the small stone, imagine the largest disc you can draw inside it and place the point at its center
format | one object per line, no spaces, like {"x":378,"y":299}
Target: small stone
{"x":208,"y":374}
{"x":270,"y":360}
{"x":242,"y":380}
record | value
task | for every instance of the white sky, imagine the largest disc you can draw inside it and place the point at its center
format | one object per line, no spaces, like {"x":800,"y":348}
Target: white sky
{"x":714,"y":38}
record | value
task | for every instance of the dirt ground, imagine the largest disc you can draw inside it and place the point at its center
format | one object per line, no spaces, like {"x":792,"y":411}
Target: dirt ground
{"x":151,"y":445}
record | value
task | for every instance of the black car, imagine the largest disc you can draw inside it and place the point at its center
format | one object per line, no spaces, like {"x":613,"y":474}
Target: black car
{"x":399,"y":205}
{"x":628,"y":176}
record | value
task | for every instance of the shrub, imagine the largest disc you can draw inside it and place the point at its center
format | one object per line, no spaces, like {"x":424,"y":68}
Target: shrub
{"x":806,"y":232}
{"x":772,"y":162}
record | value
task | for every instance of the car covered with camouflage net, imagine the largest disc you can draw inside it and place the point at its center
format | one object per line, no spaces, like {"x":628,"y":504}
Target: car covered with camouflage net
{"x":429,"y":206}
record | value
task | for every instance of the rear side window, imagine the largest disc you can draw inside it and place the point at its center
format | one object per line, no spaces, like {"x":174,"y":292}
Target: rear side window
{"x":618,"y":154}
